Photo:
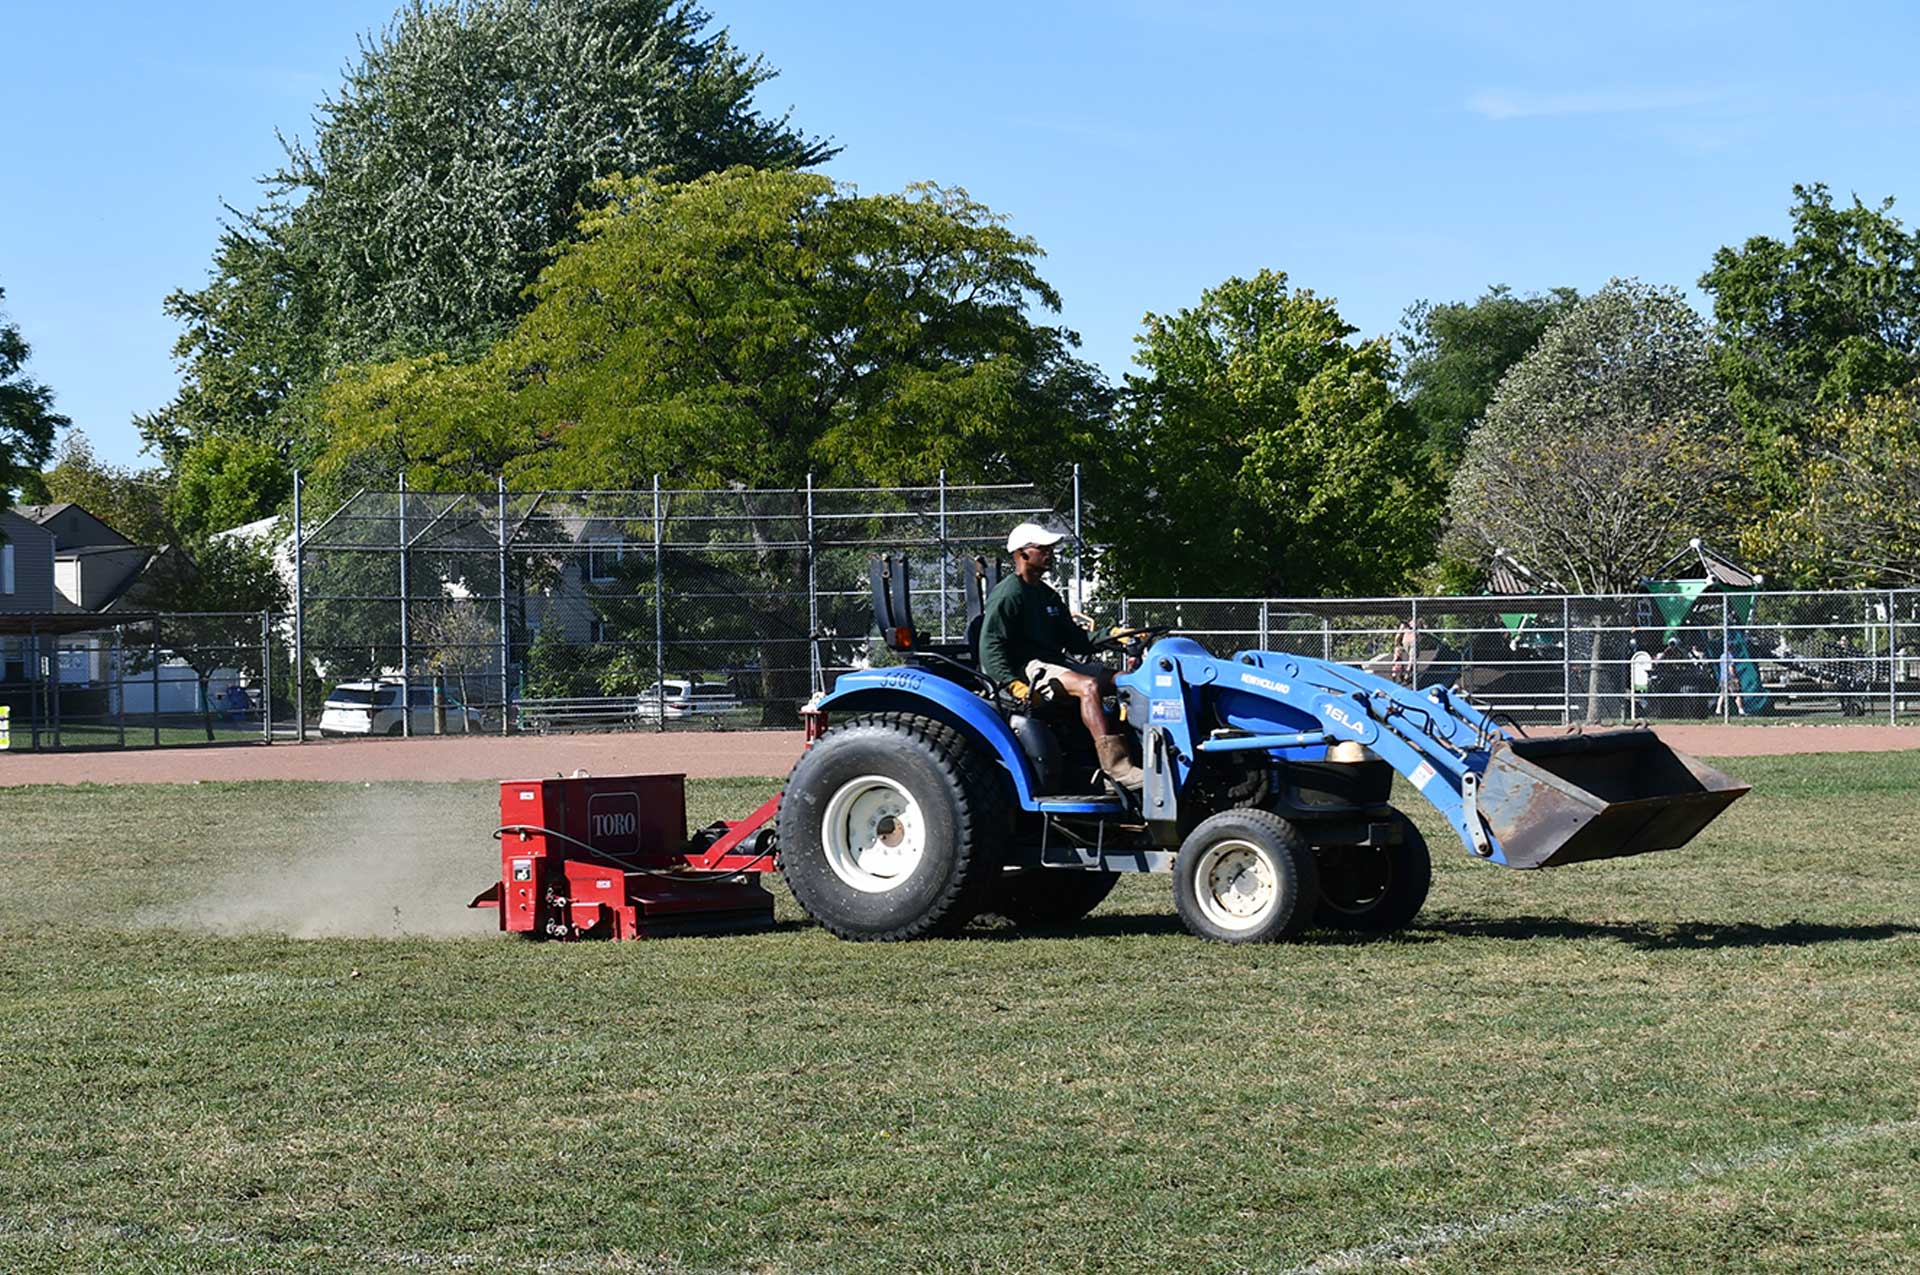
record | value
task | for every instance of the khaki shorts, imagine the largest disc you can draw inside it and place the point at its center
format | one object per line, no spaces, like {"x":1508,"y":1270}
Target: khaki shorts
{"x":1039,"y":672}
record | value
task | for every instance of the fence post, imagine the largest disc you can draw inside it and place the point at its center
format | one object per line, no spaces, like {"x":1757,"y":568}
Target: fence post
{"x":53,"y":689}
{"x":944,"y":585}
{"x":266,"y":676}
{"x":1079,"y":547}
{"x":659,"y":618}
{"x":816,"y":675}
{"x":1566,"y":661}
{"x":406,"y":636}
{"x":34,"y":709}
{"x":506,"y":643}
{"x":299,"y":618}
{"x":120,"y":681}
{"x":153,"y":662}
{"x":1266,"y":641}
{"x":1726,"y":665}
{"x":1893,"y":663}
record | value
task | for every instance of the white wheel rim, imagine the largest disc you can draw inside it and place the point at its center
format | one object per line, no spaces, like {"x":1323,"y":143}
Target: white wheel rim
{"x":874,"y":834}
{"x":1236,"y":884}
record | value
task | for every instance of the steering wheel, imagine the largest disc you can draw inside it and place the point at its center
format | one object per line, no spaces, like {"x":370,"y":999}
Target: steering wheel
{"x":1124,"y":638}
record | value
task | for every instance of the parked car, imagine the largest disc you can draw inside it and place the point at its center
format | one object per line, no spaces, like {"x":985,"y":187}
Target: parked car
{"x":373,"y":708}
{"x":677,"y":698}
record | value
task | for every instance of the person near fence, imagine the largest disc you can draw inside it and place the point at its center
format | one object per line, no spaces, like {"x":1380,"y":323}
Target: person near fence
{"x":1404,"y":650}
{"x":1027,"y":635}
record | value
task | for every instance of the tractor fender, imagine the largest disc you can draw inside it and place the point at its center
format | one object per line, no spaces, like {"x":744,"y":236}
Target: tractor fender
{"x":912,"y":690}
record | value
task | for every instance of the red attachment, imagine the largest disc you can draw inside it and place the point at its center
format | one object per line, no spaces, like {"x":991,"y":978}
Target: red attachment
{"x":608,"y":857}
{"x":724,"y":854}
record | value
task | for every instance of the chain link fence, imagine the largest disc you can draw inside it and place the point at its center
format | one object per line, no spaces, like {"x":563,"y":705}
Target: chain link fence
{"x":659,"y":609}
{"x":433,"y":613}
{"x":1661,"y":657}
{"x":145,"y":680}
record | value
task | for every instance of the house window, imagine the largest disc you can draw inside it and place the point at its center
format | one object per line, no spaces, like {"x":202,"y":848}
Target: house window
{"x":600,"y":562}
{"x":596,"y":630}
{"x":6,"y":568}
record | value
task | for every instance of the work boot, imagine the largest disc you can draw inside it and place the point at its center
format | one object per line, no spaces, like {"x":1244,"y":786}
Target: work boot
{"x":1115,"y":762}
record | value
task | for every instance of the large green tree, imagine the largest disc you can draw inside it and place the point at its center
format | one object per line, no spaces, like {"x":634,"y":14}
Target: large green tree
{"x":1455,"y":354}
{"x":1259,"y":451}
{"x":27,"y":419}
{"x":440,"y":177}
{"x":1604,"y":448}
{"x":748,"y":327}
{"x":132,"y":502}
{"x":1819,"y":322}
{"x":1858,"y":524}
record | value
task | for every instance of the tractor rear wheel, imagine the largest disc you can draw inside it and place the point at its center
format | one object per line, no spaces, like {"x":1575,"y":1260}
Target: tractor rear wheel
{"x":1245,"y":876}
{"x":1049,"y":896}
{"x":1374,"y":889}
{"x":891,"y":827}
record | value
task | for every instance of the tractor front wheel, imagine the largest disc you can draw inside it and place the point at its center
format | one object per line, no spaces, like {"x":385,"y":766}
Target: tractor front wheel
{"x":1049,"y":896}
{"x":1375,"y":889}
{"x":890,"y":828}
{"x":1245,"y":876}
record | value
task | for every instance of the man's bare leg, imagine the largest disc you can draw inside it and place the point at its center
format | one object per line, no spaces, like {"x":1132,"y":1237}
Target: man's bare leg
{"x":1108,"y":741}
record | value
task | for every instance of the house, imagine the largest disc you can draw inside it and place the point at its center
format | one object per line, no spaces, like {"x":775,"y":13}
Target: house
{"x":26,"y":589}
{"x":93,"y":570}
{"x":27,"y":567}
{"x":95,"y":567}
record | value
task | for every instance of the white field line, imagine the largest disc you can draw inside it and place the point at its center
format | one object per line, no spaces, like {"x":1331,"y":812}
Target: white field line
{"x":1599,"y":1200}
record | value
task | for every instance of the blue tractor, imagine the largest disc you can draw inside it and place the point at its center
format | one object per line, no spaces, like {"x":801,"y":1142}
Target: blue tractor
{"x":935,"y":796}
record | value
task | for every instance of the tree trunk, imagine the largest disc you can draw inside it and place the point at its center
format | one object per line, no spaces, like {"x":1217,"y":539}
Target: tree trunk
{"x":1593,"y":680}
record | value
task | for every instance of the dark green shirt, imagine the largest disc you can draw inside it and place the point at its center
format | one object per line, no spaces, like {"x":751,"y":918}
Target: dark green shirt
{"x":1024,"y":622}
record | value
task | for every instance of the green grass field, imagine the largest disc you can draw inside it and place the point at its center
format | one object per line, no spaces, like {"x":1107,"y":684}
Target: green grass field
{"x":251,"y":1027}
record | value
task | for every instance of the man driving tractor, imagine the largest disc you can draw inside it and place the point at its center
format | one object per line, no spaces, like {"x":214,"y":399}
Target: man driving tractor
{"x":1027,"y":635}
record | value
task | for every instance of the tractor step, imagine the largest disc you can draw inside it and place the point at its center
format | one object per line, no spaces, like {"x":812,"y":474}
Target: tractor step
{"x":1091,"y":804}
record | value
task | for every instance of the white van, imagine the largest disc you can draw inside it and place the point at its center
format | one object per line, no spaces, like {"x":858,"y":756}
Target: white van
{"x":373,"y":708}
{"x":676,"y":699}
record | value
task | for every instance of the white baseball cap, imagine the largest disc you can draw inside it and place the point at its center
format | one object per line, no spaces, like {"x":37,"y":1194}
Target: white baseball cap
{"x":1031,"y":533}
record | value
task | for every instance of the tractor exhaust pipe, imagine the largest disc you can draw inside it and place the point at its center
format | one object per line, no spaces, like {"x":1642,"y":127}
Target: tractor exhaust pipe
{"x":1604,"y":795}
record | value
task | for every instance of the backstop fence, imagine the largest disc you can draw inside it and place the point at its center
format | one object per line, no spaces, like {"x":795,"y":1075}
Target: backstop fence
{"x":663,"y":608}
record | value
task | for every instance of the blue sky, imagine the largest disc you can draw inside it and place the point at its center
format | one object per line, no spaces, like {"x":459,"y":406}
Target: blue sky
{"x":1378,"y":154}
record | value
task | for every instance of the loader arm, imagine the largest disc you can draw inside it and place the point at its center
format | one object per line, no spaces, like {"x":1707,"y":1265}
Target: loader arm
{"x":1519,"y":803}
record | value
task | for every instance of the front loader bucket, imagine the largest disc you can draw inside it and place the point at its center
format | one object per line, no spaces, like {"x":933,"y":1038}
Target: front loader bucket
{"x":1600,"y":796}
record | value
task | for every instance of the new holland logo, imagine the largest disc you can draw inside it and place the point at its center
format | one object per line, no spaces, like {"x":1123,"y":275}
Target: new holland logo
{"x":1266,"y":683}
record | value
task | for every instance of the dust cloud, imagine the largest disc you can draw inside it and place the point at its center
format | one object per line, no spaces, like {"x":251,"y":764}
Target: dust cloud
{"x":379,"y":862}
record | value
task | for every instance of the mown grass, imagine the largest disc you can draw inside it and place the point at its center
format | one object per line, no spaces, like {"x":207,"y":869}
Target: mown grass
{"x":1700,"y":1061}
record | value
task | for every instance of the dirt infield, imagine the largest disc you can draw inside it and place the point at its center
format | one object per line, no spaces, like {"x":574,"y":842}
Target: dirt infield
{"x":703,"y":754}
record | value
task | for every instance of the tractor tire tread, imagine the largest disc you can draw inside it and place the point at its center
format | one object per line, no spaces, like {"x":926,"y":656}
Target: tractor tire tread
{"x":982,"y":809}
{"x":1411,"y":877}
